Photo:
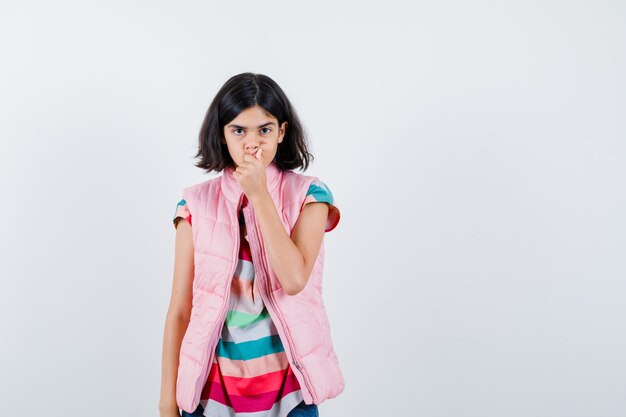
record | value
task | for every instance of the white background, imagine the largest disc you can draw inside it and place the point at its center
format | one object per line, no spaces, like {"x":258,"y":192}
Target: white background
{"x":476,"y":151}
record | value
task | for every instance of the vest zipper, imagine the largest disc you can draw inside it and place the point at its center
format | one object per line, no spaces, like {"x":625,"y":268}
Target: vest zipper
{"x":222,"y":315}
{"x":270,"y":297}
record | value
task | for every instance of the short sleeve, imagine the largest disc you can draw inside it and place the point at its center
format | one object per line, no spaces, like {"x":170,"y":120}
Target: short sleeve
{"x":319,"y":192}
{"x":182,"y":211}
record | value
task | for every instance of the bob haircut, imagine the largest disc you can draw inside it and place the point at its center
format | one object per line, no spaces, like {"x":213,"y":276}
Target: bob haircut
{"x":239,"y":93}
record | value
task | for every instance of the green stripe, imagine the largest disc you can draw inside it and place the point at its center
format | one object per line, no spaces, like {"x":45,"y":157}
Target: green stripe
{"x":239,"y":319}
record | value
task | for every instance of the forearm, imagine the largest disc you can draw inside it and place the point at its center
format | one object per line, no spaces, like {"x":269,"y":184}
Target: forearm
{"x":284,"y":256}
{"x":175,"y":328}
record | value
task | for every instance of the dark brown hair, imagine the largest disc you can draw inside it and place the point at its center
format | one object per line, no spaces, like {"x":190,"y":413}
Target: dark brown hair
{"x":236,"y":95}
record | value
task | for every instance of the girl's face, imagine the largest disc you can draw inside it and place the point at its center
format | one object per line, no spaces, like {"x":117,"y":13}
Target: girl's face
{"x":251,"y":129}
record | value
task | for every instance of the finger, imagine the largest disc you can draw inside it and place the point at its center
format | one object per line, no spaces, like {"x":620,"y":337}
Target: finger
{"x":245,"y":167}
{"x":249,"y":159}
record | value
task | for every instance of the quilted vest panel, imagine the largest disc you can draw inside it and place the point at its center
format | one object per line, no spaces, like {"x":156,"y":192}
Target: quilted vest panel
{"x":301,"y":319}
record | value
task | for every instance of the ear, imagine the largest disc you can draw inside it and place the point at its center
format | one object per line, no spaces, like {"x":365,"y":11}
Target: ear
{"x":283,"y":129}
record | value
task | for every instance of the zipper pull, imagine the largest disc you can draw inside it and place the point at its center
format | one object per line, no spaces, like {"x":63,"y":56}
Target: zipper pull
{"x":296,"y":364}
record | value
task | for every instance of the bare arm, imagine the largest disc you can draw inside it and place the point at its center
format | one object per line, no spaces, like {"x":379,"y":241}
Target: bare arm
{"x":177,"y":318}
{"x":292,"y":257}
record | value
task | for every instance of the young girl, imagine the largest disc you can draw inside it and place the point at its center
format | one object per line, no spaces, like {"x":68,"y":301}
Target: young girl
{"x":246,"y":331}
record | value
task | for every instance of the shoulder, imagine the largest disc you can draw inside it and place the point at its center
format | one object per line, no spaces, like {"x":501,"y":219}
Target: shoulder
{"x":310,"y":183}
{"x":191,"y":195}
{"x":319,"y":192}
{"x":194,"y":194}
{"x":311,"y":187}
{"x":203,"y":185}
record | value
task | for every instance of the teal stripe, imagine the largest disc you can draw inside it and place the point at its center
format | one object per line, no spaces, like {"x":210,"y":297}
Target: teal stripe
{"x":320,"y":192}
{"x":251,"y":349}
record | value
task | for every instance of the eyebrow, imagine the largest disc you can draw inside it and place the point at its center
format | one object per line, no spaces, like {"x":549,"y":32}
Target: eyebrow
{"x":243,"y":127}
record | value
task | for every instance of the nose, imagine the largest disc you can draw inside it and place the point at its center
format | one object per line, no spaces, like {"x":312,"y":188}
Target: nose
{"x":252,"y":145}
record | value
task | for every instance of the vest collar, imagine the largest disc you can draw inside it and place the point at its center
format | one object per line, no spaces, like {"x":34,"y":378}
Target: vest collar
{"x":233,"y":191}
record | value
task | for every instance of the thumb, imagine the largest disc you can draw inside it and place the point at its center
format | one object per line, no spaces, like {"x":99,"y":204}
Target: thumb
{"x":258,"y":153}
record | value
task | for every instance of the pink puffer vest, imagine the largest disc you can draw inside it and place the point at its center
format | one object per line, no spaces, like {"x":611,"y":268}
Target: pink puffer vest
{"x":301,"y":319}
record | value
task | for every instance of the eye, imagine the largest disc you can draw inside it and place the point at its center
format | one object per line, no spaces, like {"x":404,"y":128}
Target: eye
{"x":268,"y":129}
{"x":235,"y":131}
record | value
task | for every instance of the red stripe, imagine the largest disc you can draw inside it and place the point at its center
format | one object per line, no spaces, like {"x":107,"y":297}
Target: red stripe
{"x":254,"y":399}
{"x":270,"y":381}
{"x":244,"y":251}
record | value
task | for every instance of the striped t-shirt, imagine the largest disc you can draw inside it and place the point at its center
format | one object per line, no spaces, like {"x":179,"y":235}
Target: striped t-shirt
{"x":250,"y":372}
